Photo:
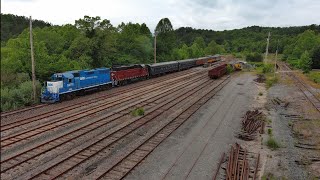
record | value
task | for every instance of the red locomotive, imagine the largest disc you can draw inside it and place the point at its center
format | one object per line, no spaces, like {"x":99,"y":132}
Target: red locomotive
{"x":122,"y":75}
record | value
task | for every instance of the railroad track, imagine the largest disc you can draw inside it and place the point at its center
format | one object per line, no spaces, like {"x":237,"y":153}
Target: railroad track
{"x":82,"y":105}
{"x":311,"y":96}
{"x":87,"y":126}
{"x":74,"y":118}
{"x":156,"y":108}
{"x":10,"y":113}
{"x":58,"y":110}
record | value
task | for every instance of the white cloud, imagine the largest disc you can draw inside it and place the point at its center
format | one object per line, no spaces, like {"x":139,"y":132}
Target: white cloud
{"x":204,"y":14}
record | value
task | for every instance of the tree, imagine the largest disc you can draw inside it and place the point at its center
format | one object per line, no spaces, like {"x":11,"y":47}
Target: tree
{"x":213,"y":48}
{"x":305,"y":42}
{"x":164,"y":26}
{"x":12,"y":25}
{"x":166,"y":40}
{"x":90,"y":24}
{"x":305,"y":62}
{"x":200,"y":42}
{"x":316,"y":57}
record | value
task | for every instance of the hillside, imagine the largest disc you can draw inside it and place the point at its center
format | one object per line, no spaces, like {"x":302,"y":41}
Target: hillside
{"x":13,"y":25}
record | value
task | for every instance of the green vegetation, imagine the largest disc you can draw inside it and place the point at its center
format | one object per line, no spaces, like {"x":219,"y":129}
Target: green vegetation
{"x":314,"y":76}
{"x":21,"y":95}
{"x":229,"y":69}
{"x":305,"y":62}
{"x":12,"y":25}
{"x":272,"y":143}
{"x":271,"y":80}
{"x":254,"y":57}
{"x":268,"y":68}
{"x":260,"y":94}
{"x":94,"y":42}
{"x":268,"y":176}
{"x":270,"y":132}
{"x":138,"y":112}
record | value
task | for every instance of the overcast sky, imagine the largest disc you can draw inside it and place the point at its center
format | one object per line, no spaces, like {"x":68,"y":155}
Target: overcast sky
{"x":201,"y":14}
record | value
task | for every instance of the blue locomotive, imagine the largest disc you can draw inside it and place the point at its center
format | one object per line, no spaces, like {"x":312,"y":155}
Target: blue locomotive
{"x":68,"y":84}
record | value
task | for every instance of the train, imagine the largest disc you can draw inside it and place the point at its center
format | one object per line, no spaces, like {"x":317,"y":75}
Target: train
{"x":217,"y":71}
{"x":67,"y":85}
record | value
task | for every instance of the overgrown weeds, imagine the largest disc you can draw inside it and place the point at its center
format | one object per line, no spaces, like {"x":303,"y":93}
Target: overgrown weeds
{"x":137,"y":112}
{"x":272,"y":143}
{"x":271,"y":80}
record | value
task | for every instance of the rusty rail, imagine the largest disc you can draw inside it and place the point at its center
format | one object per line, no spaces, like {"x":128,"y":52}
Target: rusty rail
{"x":238,"y":166}
{"x":251,"y":123}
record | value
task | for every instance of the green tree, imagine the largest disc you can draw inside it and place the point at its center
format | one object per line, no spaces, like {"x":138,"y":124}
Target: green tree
{"x":166,"y":40}
{"x":305,"y":62}
{"x":316,"y":57}
{"x":90,"y":25}
{"x":213,"y":48}
{"x":163,"y":26}
{"x":305,"y":42}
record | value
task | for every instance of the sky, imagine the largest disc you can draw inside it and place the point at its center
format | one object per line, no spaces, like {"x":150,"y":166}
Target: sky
{"x":199,"y":14}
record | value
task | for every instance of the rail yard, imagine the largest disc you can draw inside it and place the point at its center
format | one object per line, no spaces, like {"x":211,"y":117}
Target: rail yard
{"x":190,"y":120}
{"x":61,"y":140}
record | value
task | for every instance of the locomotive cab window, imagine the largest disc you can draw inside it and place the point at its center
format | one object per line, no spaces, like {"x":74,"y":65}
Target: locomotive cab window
{"x":76,"y":74}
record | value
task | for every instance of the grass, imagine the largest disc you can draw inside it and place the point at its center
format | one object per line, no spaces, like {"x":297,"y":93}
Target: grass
{"x":229,"y":69}
{"x":272,"y":143}
{"x":308,"y":130}
{"x":138,"y":112}
{"x":268,"y":176}
{"x":314,"y":76}
{"x":270,"y":132}
{"x":271,"y":80}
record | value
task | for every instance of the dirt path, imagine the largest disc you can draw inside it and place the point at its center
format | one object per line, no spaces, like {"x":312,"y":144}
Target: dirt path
{"x":296,"y":129}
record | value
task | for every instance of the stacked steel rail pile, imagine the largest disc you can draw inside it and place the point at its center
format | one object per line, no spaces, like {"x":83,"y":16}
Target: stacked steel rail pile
{"x":251,"y":123}
{"x":238,"y":166}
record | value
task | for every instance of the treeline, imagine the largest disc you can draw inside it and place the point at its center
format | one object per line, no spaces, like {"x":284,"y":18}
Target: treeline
{"x":94,"y":42}
{"x":13,"y":25}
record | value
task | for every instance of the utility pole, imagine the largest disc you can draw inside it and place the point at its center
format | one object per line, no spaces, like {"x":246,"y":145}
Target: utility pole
{"x":32,"y":64}
{"x":267,"y":48}
{"x":155,"y":47}
{"x":275,"y":64}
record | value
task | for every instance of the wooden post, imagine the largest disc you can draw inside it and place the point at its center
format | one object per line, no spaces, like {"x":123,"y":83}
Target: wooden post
{"x":32,"y":64}
{"x":155,"y":48}
{"x":267,"y":48}
{"x":275,"y":64}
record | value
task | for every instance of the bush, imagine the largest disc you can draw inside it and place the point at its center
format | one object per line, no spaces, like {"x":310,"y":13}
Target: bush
{"x":294,"y":63}
{"x":270,"y":132}
{"x":19,"y":96}
{"x":305,"y":62}
{"x":138,"y":112}
{"x":260,"y":94}
{"x":271,"y":81}
{"x":268,"y":68}
{"x":272,"y":143}
{"x":229,"y":69}
{"x":314,"y":76}
{"x":254,"y":57}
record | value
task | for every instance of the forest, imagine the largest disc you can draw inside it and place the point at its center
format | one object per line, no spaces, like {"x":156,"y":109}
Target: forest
{"x":94,"y":42}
